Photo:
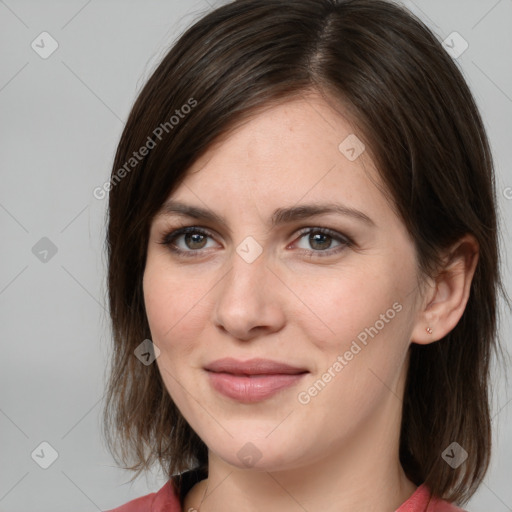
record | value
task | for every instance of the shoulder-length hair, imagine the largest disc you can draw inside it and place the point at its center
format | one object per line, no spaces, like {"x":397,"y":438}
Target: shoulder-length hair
{"x":418,"y":118}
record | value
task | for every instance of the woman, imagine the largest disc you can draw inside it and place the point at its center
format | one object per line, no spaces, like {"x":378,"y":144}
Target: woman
{"x":303,"y":267}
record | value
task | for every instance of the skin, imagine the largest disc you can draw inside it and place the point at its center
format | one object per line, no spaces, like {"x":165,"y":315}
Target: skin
{"x":338,"y":452}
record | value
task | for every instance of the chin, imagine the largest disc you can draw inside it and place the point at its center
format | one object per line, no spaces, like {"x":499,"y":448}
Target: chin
{"x":247,"y":452}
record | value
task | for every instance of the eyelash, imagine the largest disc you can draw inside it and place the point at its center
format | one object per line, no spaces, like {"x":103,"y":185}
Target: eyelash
{"x":169,"y":238}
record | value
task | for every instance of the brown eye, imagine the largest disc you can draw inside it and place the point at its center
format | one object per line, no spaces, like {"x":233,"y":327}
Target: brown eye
{"x":319,"y":240}
{"x":194,"y":240}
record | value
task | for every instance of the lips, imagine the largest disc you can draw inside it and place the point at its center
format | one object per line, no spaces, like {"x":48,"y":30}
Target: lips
{"x":254,"y":380}
{"x":253,"y":367}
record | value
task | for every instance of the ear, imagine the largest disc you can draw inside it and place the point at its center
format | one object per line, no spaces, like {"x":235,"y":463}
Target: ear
{"x":448,"y":294}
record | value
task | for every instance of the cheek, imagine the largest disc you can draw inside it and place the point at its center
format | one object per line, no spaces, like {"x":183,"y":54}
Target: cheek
{"x":341,"y":305}
{"x":358,"y":361}
{"x":174,"y":306}
{"x":364,"y":316}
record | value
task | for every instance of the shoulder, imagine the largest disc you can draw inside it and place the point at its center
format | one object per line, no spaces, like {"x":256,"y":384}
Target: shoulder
{"x":438,"y":505}
{"x":423,"y":501}
{"x":166,"y":499}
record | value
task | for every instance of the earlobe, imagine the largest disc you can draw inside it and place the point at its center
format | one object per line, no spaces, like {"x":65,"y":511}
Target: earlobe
{"x":443,"y":309}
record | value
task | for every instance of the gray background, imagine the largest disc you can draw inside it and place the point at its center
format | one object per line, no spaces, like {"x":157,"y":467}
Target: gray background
{"x":60,"y":120}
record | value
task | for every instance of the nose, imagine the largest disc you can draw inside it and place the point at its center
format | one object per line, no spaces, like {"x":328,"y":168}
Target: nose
{"x":250,"y":299}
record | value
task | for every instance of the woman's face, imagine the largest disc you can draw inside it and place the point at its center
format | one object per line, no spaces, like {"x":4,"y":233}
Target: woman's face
{"x":333,"y":295}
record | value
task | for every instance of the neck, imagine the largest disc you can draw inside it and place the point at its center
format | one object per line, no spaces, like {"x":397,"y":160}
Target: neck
{"x":230,"y":490}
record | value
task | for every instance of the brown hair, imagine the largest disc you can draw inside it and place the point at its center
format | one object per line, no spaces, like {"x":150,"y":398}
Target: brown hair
{"x":419,"y":119}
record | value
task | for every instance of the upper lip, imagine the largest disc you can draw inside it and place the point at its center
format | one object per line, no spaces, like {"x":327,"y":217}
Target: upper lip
{"x":252,"y":367}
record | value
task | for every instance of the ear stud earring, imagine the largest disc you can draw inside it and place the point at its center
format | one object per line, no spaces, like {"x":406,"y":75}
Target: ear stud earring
{"x":429,"y":330}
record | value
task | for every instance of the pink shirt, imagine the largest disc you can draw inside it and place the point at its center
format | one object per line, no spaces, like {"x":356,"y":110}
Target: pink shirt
{"x":167,"y":500}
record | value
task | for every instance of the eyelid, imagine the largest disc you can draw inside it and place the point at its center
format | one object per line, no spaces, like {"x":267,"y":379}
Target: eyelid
{"x":171,"y":234}
{"x":326,"y":231}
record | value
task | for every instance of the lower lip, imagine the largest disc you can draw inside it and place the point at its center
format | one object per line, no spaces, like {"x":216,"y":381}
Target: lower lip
{"x":254,"y":388}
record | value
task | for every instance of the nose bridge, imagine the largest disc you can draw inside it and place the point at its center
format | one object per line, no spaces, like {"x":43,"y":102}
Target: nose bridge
{"x":248,"y":267}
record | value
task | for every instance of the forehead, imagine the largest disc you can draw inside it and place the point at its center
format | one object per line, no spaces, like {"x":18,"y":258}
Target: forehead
{"x":302,"y":148}
{"x":299,"y":125}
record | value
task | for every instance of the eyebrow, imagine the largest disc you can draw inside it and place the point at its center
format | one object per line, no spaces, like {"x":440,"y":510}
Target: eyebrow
{"x":280,"y":215}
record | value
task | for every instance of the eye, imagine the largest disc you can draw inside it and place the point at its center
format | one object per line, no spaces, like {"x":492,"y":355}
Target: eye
{"x":321,"y":239}
{"x":194,"y":239}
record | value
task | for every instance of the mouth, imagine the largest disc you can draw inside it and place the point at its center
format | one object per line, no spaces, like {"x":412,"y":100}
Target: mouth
{"x":254,"y":380}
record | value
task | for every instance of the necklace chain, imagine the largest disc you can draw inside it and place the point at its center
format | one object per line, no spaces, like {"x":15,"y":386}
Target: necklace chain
{"x":204,"y":494}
